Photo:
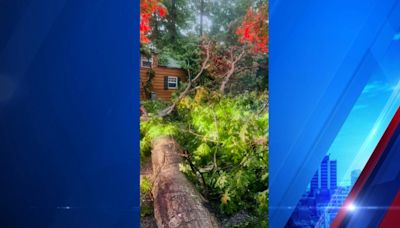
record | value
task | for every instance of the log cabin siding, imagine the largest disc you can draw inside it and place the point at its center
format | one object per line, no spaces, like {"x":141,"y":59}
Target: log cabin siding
{"x":158,"y":80}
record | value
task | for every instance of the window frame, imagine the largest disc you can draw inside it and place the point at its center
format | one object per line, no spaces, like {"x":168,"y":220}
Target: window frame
{"x":144,"y":59}
{"x":176,"y":80}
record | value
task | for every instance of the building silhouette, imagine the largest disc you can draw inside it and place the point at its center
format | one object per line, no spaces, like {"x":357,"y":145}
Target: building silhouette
{"x":320,"y":204}
{"x":314,"y":183}
{"x":333,"y":174}
{"x":325,"y":178}
{"x":324,"y":173}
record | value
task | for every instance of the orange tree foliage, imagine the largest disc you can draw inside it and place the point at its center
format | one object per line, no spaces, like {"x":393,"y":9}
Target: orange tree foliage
{"x":254,"y":29}
{"x":148,"y":8}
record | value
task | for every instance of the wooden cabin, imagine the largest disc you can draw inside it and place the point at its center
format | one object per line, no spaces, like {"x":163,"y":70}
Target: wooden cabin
{"x":166,"y":78}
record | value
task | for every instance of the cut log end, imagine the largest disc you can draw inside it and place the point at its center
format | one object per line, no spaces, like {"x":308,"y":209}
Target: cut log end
{"x":177,"y":203}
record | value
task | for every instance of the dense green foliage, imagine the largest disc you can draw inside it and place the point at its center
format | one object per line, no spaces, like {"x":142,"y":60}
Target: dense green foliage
{"x":145,"y":185}
{"x":226,"y":16}
{"x":146,"y":208}
{"x":152,"y":106}
{"x":168,"y":30}
{"x":226,"y":140}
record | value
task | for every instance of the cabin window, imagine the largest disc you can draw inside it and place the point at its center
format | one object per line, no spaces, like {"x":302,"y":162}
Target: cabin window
{"x":172,"y":82}
{"x":146,"y":62}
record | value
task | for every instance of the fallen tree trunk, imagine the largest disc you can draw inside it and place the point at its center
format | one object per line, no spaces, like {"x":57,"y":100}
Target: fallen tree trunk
{"x":177,"y":203}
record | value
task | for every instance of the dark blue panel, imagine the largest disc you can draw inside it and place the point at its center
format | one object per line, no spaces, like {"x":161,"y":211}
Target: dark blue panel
{"x":69,"y":120}
{"x":319,"y":51}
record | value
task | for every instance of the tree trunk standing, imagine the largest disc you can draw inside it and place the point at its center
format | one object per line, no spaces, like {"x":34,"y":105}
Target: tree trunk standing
{"x":155,"y":34}
{"x":176,"y":200}
{"x":172,"y":22}
{"x":232,"y":69}
{"x":201,"y":17}
{"x":226,"y":80}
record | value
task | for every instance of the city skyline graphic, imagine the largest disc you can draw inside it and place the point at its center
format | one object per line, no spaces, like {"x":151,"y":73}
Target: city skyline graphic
{"x":324,"y":197}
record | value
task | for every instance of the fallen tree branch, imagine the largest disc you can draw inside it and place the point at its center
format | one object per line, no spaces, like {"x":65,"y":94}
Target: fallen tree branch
{"x":232,"y":69}
{"x":197,"y":171}
{"x":144,"y":113}
{"x":204,"y":66}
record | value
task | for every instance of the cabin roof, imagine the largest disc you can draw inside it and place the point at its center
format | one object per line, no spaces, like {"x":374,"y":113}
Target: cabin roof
{"x":171,"y":63}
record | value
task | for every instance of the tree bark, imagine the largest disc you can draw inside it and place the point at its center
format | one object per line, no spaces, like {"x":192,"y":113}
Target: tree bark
{"x":201,"y":17}
{"x":232,"y":69}
{"x":172,"y":22}
{"x":226,"y":79}
{"x":177,"y":203}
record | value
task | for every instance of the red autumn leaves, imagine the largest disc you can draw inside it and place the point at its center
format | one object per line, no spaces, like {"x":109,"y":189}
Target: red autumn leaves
{"x":148,"y":8}
{"x":254,"y":29}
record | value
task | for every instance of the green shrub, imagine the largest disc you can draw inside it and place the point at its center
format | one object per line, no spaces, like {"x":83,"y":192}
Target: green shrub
{"x":146,"y":207}
{"x":145,"y":185}
{"x":151,"y":129}
{"x":154,"y":106}
{"x":226,"y":138}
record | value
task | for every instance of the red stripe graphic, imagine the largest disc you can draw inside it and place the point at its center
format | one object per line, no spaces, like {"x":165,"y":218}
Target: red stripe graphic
{"x":392,"y":217}
{"x":368,"y":169}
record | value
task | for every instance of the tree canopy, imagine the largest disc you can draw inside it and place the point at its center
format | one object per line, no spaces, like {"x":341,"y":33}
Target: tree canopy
{"x":177,"y":28}
{"x":148,"y":9}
